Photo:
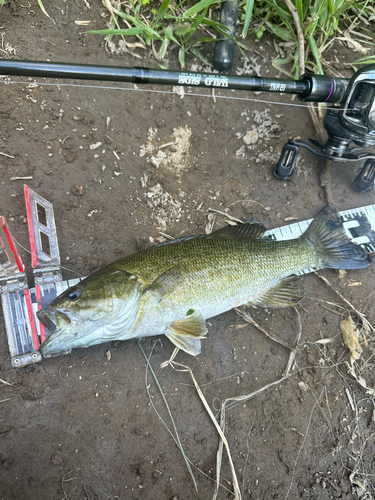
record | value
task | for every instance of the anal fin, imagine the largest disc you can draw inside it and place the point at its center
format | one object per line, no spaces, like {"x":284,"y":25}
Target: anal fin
{"x":187,"y":332}
{"x":288,"y":292}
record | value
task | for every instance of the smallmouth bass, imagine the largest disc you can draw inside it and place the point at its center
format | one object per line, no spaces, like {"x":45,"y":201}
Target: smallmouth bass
{"x":173,"y":287}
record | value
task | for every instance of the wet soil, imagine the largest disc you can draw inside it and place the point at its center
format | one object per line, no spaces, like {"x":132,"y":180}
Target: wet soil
{"x":121,"y":167}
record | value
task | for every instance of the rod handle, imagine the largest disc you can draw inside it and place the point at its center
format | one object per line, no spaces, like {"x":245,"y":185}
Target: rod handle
{"x":224,"y":47}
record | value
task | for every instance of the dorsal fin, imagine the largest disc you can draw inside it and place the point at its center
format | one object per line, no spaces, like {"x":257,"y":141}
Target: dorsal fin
{"x":177,"y":240}
{"x":251,"y":229}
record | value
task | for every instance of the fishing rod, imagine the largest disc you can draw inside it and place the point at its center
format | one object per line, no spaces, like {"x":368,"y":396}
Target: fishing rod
{"x":350,"y":128}
{"x":313,"y":88}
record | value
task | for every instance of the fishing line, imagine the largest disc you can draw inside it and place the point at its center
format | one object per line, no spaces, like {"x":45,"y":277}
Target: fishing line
{"x":154,"y":91}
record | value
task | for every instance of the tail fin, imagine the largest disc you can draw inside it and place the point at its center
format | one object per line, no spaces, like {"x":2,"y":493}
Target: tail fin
{"x":331,"y":243}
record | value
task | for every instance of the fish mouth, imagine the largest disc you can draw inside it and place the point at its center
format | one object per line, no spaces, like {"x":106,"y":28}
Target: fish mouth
{"x":52,"y":345}
{"x":48,"y":319}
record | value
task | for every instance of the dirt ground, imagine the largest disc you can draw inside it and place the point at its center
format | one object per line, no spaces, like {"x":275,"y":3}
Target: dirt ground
{"x":84,"y":426}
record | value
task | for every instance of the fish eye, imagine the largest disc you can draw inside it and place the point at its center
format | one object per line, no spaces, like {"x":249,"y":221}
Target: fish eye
{"x":75,"y":294}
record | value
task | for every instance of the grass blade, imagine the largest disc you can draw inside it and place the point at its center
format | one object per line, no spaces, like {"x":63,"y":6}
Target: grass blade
{"x":163,"y":48}
{"x":248,"y":15}
{"x":198,"y":55}
{"x":200,"y":6}
{"x":315,"y":52}
{"x":168,"y":32}
{"x":299,"y":7}
{"x":282,"y":33}
{"x":44,"y":10}
{"x":163,"y":10}
{"x":181,"y":57}
{"x":116,"y":31}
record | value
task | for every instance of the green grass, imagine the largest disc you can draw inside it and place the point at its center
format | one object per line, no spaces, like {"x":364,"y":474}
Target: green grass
{"x":187,"y":25}
{"x":321,"y":22}
{"x":166,"y":24}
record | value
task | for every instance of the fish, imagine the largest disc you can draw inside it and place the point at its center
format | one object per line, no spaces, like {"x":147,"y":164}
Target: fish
{"x":172,"y":288}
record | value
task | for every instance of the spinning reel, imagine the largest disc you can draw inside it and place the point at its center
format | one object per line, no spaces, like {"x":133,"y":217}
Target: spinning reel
{"x":350,"y":129}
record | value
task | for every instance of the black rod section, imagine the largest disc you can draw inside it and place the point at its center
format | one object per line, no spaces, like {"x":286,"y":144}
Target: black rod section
{"x":165,"y":77}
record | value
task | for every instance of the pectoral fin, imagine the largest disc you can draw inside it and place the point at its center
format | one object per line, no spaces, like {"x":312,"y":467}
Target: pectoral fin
{"x":187,"y":332}
{"x":286,"y":293}
{"x":165,"y":283}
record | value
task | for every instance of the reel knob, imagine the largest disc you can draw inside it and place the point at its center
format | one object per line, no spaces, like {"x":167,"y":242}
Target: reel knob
{"x":285,"y":165}
{"x":365,"y":180}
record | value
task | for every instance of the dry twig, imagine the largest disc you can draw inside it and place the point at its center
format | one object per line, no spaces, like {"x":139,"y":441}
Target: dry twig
{"x":366,"y":324}
{"x":252,"y":321}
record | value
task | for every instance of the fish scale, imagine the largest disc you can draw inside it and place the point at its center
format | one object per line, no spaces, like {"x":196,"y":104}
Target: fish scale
{"x":243,"y":270}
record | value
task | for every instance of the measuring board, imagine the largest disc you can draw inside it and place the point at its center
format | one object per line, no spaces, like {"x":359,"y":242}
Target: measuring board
{"x":20,"y":303}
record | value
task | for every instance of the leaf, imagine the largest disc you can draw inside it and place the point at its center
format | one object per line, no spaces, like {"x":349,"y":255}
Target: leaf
{"x":282,"y":33}
{"x":299,"y":7}
{"x":306,"y":8}
{"x":181,"y":57}
{"x":368,"y":32}
{"x":311,"y":27}
{"x":163,"y":48}
{"x":198,"y":7}
{"x":146,"y":30}
{"x":315,"y":52}
{"x":365,"y":60}
{"x":163,"y":10}
{"x":200,"y":40}
{"x":198,"y":55}
{"x":198,"y":20}
{"x":220,"y":28}
{"x":44,"y":10}
{"x":285,"y":16}
{"x":248,"y":15}
{"x":282,"y":61}
{"x":350,"y":337}
{"x":168,"y":32}
{"x":295,"y":68}
{"x":116,"y":31}
{"x":278,"y":68}
{"x":183,"y":30}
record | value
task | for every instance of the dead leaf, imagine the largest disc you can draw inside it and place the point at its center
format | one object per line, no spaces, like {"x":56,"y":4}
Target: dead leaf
{"x":354,"y":283}
{"x":350,"y":337}
{"x":78,"y":190}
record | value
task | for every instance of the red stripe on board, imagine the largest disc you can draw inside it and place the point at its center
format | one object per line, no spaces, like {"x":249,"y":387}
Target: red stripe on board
{"x":31,"y":319}
{"x":14,"y":251}
{"x":30,"y":226}
{"x":39,"y":302}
